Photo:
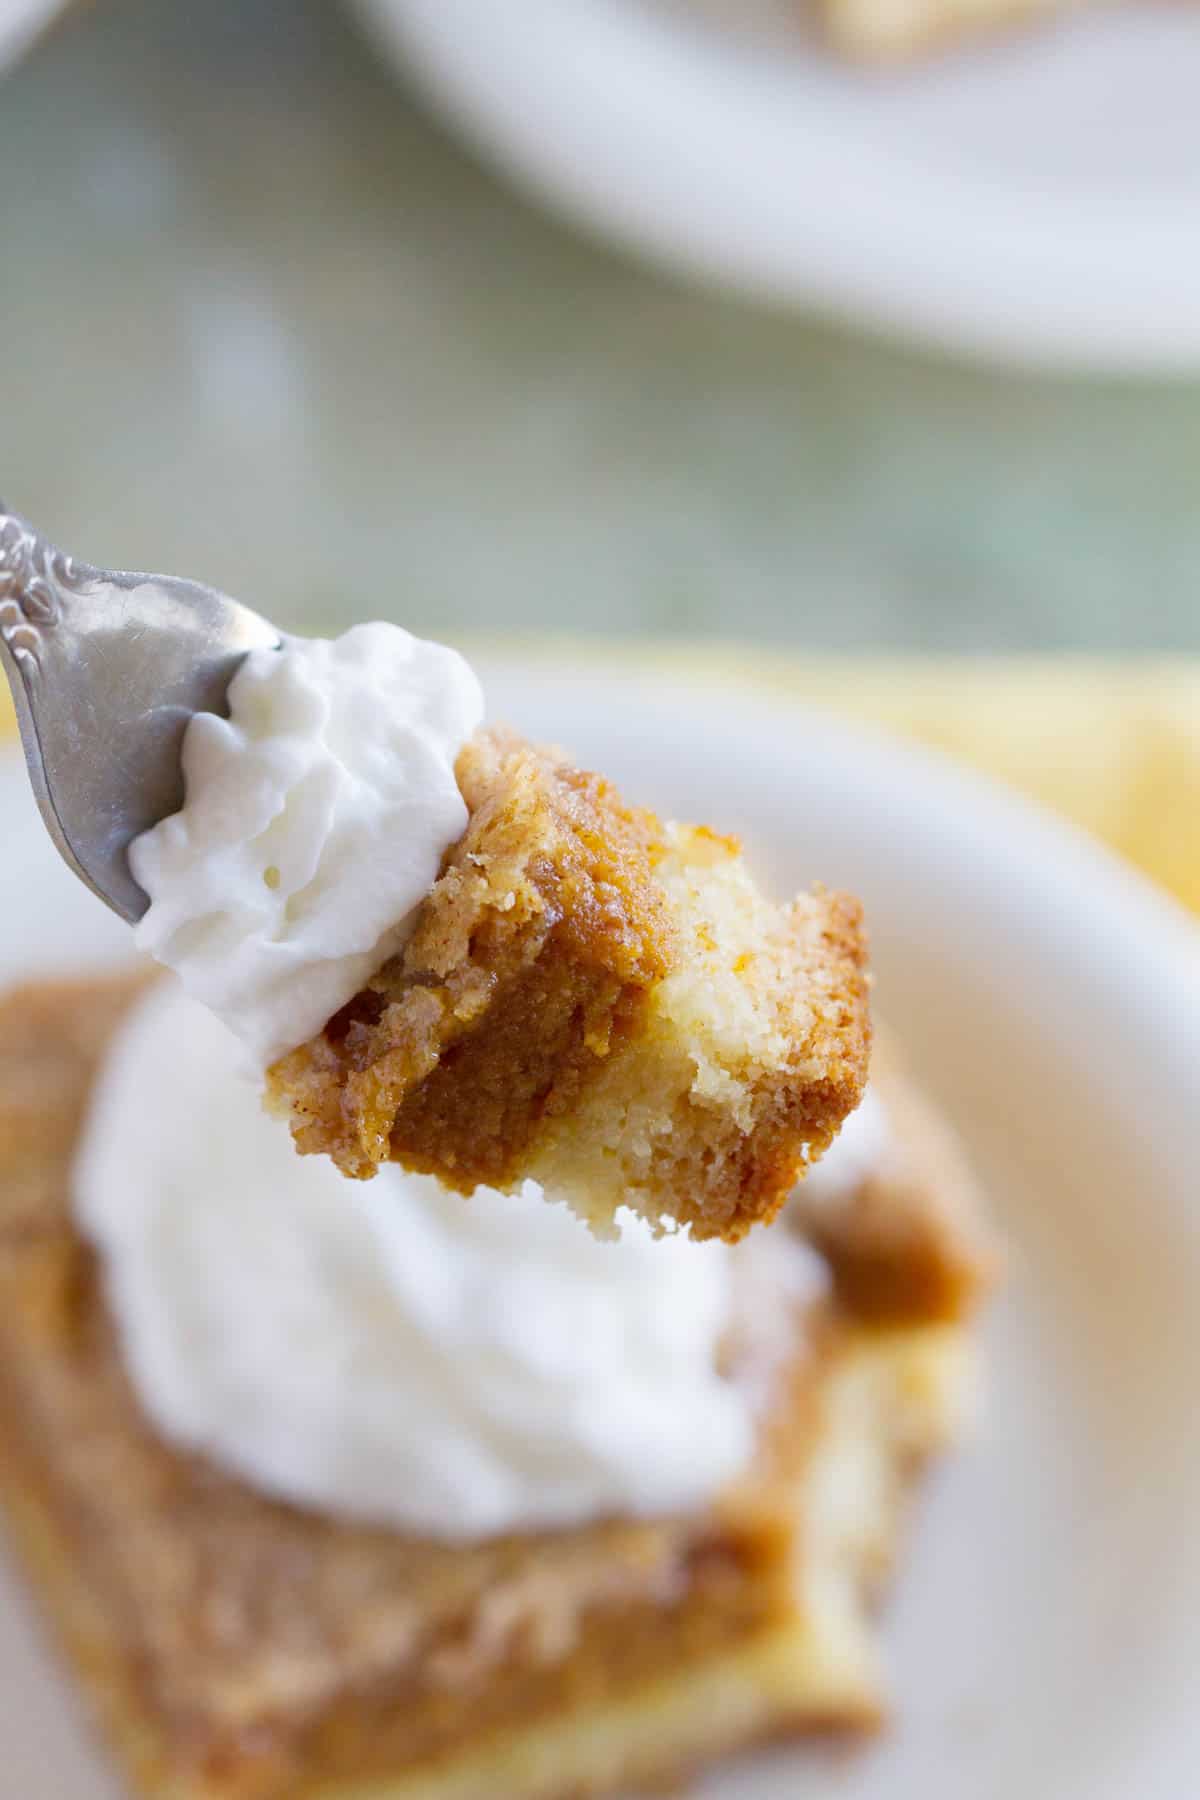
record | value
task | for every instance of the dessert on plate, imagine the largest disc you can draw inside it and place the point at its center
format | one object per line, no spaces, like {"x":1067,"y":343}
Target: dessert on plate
{"x":886,"y":30}
{"x":373,"y":1492}
{"x":454,"y":950}
{"x":875,"y":30}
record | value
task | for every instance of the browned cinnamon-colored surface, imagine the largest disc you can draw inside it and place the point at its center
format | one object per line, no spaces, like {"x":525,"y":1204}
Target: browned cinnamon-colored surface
{"x":527,"y":988}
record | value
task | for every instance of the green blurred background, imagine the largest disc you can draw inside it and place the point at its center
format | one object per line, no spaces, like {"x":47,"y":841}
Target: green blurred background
{"x":263,"y":323}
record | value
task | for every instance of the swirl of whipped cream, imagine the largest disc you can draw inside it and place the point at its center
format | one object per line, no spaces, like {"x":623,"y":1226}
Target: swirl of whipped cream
{"x":314,"y":822}
{"x":390,"y":1351}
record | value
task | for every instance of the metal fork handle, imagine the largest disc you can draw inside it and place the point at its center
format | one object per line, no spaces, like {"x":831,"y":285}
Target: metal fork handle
{"x":107,"y":669}
{"x":37,"y":581}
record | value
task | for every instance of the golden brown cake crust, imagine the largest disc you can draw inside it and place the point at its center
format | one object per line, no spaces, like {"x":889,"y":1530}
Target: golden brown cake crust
{"x":531,"y":984}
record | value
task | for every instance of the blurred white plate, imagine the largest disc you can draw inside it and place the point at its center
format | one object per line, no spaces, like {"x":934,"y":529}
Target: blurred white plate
{"x":20,"y":23}
{"x":1046,"y":1633}
{"x":1035,"y":199}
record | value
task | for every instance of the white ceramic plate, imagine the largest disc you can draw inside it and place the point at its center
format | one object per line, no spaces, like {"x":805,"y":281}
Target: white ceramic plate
{"x":1035,"y":199}
{"x":1046,"y":1634}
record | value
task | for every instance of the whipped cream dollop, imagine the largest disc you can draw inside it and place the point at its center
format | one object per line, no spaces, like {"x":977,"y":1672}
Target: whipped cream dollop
{"x":390,"y":1351}
{"x":314,"y":822}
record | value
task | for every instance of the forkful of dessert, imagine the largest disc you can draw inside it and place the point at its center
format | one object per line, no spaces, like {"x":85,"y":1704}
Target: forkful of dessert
{"x":440,"y":944}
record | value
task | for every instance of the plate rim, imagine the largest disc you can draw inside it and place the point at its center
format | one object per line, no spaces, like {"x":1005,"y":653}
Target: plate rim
{"x":606,"y":109}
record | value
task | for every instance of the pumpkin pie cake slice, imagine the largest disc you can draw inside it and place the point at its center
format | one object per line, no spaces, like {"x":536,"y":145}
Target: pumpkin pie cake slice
{"x":234,"y":1647}
{"x":598,"y":1001}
